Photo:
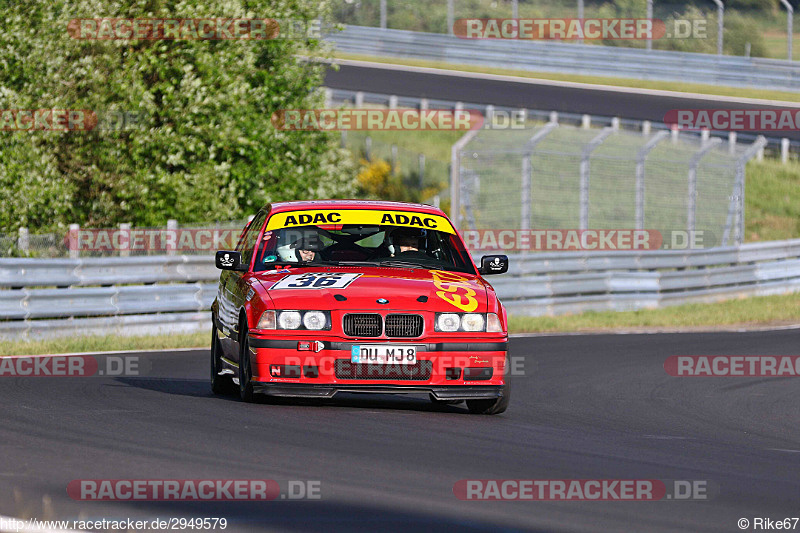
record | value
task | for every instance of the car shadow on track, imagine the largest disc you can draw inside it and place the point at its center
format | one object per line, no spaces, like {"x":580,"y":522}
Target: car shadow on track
{"x":199,"y":388}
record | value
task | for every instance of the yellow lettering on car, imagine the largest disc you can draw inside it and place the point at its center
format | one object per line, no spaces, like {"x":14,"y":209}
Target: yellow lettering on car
{"x":359,"y":216}
{"x":447,"y":282}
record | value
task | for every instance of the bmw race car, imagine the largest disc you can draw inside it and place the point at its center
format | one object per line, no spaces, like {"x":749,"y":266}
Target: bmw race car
{"x":322,"y":297}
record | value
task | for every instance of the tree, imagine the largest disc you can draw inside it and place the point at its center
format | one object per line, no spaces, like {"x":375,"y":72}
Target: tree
{"x":204,"y":147}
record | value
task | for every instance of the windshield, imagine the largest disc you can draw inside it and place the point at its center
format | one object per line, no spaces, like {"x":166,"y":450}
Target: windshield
{"x":350,"y":244}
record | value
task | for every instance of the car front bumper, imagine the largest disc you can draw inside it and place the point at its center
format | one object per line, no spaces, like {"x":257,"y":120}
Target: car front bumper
{"x":455,"y":368}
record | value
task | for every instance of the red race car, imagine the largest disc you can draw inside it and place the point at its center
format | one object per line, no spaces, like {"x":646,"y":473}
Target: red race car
{"x":331,"y":296}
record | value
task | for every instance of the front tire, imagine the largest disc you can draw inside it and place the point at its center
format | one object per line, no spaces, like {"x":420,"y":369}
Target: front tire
{"x":493,"y":406}
{"x":245,"y":371}
{"x":219,"y":384}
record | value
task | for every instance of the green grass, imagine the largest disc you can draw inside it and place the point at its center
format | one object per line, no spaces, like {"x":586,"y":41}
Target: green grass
{"x":106,"y":343}
{"x":748,"y":312}
{"x":717,"y":90}
{"x":772,"y":200}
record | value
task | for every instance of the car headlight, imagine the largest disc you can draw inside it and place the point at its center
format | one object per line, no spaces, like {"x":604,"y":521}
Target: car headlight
{"x":448,"y":322}
{"x":310,"y":320}
{"x":468,"y":322}
{"x":473,"y":322}
{"x":267,"y":320}
{"x":314,"y":320}
{"x":289,"y":320}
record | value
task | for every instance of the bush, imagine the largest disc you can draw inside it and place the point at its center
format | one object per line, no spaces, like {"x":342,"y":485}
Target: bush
{"x":204,"y":149}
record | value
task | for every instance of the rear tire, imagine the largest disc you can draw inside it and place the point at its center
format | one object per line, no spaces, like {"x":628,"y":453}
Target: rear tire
{"x":493,"y":406}
{"x":219,"y":384}
{"x":245,"y":372}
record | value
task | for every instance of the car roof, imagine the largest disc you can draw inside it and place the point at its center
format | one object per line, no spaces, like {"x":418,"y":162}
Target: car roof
{"x":354,"y":204}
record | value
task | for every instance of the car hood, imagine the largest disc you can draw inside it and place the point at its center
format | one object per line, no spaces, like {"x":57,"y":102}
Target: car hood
{"x":405,"y":289}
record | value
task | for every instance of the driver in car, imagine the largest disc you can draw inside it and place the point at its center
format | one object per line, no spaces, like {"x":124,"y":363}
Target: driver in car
{"x":307,"y":247}
{"x":408,"y":242}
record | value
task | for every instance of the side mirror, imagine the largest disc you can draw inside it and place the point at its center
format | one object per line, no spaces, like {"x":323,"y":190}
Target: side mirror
{"x":493,"y":264}
{"x":227,"y":260}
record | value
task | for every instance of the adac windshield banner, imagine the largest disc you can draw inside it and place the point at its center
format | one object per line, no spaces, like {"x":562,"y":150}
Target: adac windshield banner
{"x":367,"y":217}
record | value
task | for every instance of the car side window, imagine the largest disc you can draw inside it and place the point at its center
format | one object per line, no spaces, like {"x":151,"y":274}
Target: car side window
{"x":248,"y":243}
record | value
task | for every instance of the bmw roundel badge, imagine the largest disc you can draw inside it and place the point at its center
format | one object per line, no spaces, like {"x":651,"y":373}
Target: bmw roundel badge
{"x":382,"y":301}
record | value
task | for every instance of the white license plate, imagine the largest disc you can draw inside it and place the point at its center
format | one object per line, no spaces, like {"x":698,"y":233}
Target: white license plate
{"x":383,"y":354}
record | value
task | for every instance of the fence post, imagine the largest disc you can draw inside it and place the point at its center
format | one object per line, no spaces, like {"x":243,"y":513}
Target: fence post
{"x":421,"y":171}
{"x":525,"y":196}
{"x":586,"y":122}
{"x":732,"y":142}
{"x":394,"y":159}
{"x":344,"y":139}
{"x":735,"y":216}
{"x":784,"y":150}
{"x":74,"y":241}
{"x":172,"y":229}
{"x":368,"y":148}
{"x":487,"y":120}
{"x":584,"y":175}
{"x":24,"y":241}
{"x":423,"y":104}
{"x":455,"y":176}
{"x":125,"y":239}
{"x":646,"y":127}
{"x":553,"y":116}
{"x":359,"y":99}
{"x":720,"y":23}
{"x":527,"y":169}
{"x":383,"y":14}
{"x":450,"y":17}
{"x":694,"y":162}
{"x":615,"y":123}
{"x":673,"y":132}
{"x":641,"y":157}
{"x":393,"y":101}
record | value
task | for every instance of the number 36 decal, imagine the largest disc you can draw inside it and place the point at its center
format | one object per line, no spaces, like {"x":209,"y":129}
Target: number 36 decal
{"x":315,"y":280}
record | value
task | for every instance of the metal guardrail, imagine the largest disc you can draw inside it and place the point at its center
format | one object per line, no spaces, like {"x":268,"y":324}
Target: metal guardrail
{"x":549,"y":56}
{"x":114,"y":295}
{"x":552,"y":283}
{"x":539,"y":283}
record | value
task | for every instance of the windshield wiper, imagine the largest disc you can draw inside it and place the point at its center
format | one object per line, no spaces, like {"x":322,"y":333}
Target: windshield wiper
{"x":401,"y":263}
{"x":296,"y":264}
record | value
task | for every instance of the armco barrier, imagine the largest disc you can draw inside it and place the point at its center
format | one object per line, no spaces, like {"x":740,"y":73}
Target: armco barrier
{"x":172,"y":294}
{"x":571,"y":58}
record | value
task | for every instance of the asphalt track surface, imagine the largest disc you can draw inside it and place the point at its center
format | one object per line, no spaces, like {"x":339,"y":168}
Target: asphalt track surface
{"x":587,"y":407}
{"x":528,"y":93}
